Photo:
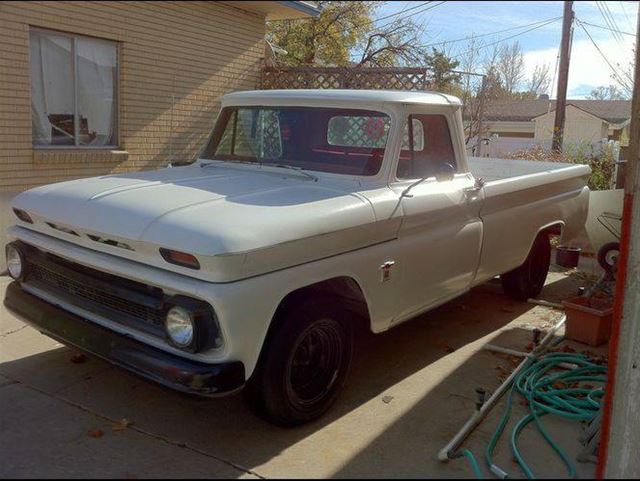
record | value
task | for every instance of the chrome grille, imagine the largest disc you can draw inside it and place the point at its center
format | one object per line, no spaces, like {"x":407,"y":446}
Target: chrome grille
{"x":119,"y":299}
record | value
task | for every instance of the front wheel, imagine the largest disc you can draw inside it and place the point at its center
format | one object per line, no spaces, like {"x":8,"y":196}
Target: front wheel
{"x":527,"y":280}
{"x":305,"y":363}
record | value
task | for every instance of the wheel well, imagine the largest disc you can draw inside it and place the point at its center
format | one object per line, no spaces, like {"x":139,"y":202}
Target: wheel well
{"x":344,"y":289}
{"x":553,"y":229}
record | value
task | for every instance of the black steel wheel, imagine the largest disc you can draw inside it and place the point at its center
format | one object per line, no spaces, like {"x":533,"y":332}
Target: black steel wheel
{"x":527,"y":281}
{"x":304,"y":364}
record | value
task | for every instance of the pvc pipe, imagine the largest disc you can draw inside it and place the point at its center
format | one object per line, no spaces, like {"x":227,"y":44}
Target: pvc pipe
{"x":505,"y":350}
{"x":555,"y":305}
{"x":448,"y":452}
{"x":511,"y":352}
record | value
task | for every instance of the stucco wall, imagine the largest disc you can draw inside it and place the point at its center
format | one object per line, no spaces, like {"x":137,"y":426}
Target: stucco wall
{"x":579,"y":126}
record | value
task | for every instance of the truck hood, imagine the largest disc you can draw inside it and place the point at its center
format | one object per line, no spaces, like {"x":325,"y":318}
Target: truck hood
{"x":238,"y":221}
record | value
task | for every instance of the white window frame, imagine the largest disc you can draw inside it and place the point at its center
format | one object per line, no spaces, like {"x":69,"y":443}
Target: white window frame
{"x":76,"y":118}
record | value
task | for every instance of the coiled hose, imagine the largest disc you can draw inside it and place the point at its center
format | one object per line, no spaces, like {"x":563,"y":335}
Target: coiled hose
{"x":548,"y":389}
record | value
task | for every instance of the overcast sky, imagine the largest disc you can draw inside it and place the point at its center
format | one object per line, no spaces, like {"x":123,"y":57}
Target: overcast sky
{"x":457,"y":19}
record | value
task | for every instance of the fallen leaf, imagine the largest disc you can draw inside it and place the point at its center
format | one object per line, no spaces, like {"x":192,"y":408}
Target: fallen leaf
{"x":78,"y":358}
{"x":96,"y":433}
{"x":124,"y":423}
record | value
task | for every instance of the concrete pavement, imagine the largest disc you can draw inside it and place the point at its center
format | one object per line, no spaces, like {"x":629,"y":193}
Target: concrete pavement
{"x":409,"y":391}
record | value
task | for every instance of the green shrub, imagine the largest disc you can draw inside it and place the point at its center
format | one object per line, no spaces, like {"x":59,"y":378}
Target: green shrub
{"x":600,"y":159}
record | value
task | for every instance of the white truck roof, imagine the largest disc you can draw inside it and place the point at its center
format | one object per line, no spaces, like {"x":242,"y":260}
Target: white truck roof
{"x":307,"y":96}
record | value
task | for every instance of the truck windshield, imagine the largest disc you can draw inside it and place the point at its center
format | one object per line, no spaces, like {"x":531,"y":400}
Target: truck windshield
{"x":340,"y":141}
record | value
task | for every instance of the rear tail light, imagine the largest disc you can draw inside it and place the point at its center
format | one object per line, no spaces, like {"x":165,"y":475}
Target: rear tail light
{"x":180,"y":258}
{"x":23,"y":216}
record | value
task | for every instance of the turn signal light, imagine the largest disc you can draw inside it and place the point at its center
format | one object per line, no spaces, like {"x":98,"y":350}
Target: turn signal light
{"x":180,"y":258}
{"x":23,"y":216}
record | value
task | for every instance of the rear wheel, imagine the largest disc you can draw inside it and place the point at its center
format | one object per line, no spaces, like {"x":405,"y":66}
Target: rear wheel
{"x":305,"y":363}
{"x":527,"y":280}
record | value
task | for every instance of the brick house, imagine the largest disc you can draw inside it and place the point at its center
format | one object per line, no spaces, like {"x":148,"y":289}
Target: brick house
{"x":101,"y":87}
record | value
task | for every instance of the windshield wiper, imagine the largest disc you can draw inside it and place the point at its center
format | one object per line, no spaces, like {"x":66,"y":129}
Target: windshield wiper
{"x":216,"y":162}
{"x":268,"y":164}
{"x":297,"y":169}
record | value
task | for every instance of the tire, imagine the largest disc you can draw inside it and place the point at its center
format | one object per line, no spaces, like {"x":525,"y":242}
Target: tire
{"x":608,"y":255}
{"x":304,"y":365}
{"x":527,"y":280}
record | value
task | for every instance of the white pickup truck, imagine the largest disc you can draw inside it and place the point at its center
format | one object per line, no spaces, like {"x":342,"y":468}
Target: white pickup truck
{"x":307,"y":214}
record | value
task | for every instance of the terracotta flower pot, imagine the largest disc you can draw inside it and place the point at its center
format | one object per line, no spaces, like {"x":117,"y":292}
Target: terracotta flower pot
{"x":588,"y":320}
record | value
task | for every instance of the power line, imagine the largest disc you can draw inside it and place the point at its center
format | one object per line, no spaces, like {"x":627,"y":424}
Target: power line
{"x":601,"y":6}
{"x":508,"y":38}
{"x":613,"y":70}
{"x":430,"y":7}
{"x":607,"y":28}
{"x":614,"y":22}
{"x":397,"y":13}
{"x":490,"y":33}
{"x":378,"y":27}
{"x":626,"y":15}
{"x":605,"y":17}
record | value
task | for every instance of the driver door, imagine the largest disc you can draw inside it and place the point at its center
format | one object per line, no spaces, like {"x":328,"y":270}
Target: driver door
{"x":441,"y":231}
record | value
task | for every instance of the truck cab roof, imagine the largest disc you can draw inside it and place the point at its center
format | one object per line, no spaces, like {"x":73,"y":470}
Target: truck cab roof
{"x":313,"y":96}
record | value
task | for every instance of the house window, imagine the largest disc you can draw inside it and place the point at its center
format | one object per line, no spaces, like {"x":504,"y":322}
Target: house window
{"x":73,"y":90}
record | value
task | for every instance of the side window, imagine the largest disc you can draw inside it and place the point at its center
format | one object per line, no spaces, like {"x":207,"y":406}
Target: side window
{"x":426,"y":146}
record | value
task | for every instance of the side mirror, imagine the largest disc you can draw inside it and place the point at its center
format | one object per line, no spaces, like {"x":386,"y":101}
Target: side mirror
{"x":445,"y":172}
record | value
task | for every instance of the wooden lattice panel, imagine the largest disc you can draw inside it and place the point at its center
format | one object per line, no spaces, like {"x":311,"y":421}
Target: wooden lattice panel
{"x":393,"y":78}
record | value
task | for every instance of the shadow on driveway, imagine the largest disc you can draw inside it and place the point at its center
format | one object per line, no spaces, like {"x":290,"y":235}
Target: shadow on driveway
{"x":409,"y":391}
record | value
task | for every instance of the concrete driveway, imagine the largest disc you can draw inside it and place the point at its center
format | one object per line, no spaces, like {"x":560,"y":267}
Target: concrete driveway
{"x":409,"y":391}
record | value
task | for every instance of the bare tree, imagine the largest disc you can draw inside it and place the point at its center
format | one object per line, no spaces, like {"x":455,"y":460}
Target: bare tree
{"x":476,"y":86}
{"x":395,"y":44}
{"x":611,"y":92}
{"x":624,"y":77}
{"x":510,"y":66}
{"x":539,"y":81}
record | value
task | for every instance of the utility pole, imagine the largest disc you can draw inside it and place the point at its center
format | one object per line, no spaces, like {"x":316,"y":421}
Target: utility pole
{"x":618,"y":457}
{"x":563,"y":75}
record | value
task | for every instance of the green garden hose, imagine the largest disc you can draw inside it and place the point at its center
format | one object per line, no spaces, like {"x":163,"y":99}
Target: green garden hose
{"x":548,"y":389}
{"x":475,"y":467}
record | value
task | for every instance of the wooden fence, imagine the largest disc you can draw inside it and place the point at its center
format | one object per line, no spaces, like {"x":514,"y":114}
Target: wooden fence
{"x":392,"y":78}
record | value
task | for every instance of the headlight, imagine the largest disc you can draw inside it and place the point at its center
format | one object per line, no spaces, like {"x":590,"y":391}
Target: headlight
{"x":15,"y":262}
{"x":191,"y":325}
{"x":180,"y":327}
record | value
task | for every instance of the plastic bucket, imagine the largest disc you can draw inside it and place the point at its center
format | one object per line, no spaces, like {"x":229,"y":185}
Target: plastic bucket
{"x":568,"y":256}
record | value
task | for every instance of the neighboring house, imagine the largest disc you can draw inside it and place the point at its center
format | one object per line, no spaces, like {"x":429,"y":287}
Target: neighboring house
{"x":94,"y":88}
{"x":513,"y":125}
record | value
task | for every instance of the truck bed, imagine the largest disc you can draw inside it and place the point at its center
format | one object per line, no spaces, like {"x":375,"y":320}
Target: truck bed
{"x":492,"y":169}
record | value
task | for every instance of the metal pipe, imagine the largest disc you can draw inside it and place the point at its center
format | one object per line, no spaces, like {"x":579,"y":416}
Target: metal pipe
{"x":448,"y":452}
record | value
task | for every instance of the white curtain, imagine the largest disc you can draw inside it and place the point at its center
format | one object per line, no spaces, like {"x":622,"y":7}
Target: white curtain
{"x":96,"y":89}
{"x":51,"y":83}
{"x":52,"y":87}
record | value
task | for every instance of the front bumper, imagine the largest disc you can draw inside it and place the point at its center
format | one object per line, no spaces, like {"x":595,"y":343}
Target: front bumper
{"x":149,"y":362}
